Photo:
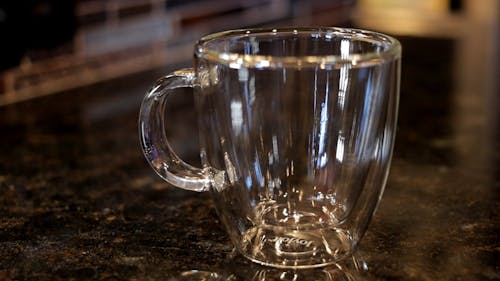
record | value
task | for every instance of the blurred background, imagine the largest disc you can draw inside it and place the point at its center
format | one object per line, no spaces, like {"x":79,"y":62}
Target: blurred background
{"x":50,"y":46}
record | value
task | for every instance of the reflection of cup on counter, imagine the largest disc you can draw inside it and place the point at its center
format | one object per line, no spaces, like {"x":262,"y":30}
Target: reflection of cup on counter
{"x":354,"y":269}
{"x":296,"y":131}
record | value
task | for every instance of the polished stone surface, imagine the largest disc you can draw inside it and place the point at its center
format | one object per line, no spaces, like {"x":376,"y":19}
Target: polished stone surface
{"x":78,"y":201}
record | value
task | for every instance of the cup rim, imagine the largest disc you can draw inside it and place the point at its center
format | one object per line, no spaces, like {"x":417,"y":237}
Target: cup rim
{"x":391,"y":49}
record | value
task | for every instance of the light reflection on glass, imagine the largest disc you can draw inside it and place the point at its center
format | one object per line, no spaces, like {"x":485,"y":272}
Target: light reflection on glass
{"x":344,"y":73}
{"x":275,"y":147}
{"x":262,"y":64}
{"x":340,"y":149}
{"x":323,"y":125}
{"x":251,"y":93}
{"x":236,"y":116}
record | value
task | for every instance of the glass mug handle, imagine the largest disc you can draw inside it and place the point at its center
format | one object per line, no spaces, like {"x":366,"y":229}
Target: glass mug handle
{"x":155,"y":144}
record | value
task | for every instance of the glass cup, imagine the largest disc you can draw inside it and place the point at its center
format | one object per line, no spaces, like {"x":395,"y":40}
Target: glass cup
{"x":296,"y":130}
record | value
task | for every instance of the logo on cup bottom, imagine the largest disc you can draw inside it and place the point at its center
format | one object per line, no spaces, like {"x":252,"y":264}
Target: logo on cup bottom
{"x":291,"y":241}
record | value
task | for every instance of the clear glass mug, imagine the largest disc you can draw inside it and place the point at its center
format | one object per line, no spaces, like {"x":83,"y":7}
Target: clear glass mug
{"x":296,"y":131}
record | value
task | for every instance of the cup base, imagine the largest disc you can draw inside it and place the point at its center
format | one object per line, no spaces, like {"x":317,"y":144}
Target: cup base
{"x":298,"y":244}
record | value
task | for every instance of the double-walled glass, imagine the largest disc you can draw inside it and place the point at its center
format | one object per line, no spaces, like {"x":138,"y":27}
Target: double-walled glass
{"x":296,"y":134}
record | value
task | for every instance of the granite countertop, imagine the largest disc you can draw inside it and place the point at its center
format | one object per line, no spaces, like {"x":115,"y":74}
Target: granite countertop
{"x":78,"y":201}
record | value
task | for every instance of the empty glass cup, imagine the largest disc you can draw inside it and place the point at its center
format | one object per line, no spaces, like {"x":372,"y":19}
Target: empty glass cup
{"x":296,"y":130}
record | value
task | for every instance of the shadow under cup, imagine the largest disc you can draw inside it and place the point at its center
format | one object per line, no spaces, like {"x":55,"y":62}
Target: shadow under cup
{"x":296,"y":133}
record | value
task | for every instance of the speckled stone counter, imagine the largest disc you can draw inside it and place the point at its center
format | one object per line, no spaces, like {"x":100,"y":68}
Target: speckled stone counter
{"x":79,"y":202}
